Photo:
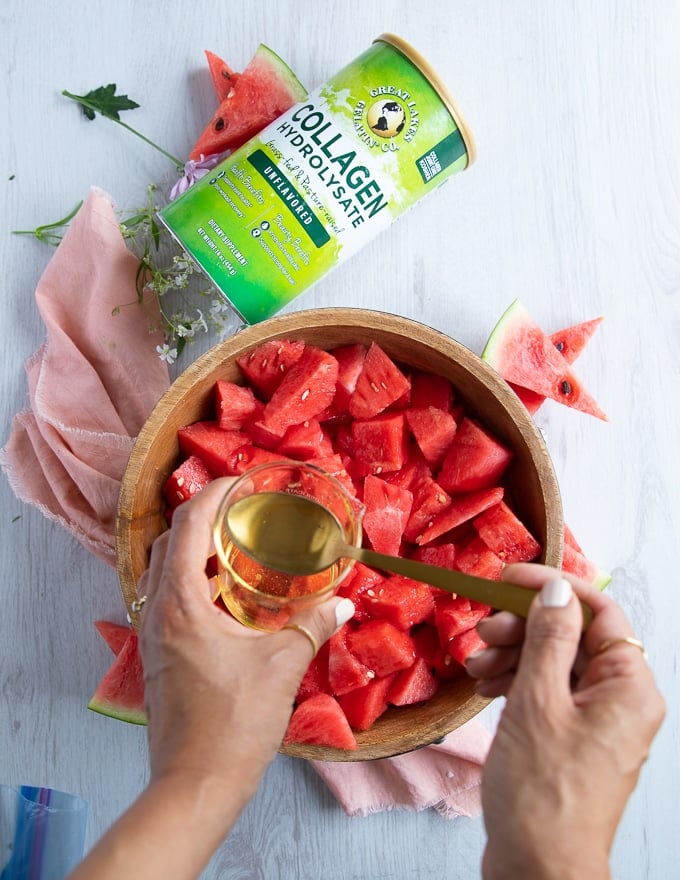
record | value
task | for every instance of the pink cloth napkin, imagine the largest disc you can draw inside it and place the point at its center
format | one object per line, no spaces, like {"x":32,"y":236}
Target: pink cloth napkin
{"x":91,"y":386}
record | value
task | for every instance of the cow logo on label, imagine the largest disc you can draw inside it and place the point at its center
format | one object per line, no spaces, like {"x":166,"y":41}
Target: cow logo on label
{"x":386,"y":118}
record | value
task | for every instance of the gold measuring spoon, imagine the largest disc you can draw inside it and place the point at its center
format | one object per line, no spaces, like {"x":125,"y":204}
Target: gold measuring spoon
{"x":298,"y":536}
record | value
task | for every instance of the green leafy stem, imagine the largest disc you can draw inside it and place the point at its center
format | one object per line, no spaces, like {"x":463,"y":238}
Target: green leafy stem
{"x":104,"y":100}
{"x":47,"y":232}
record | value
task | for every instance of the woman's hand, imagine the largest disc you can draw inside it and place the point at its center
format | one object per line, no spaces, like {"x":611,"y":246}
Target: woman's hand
{"x":218,"y":694}
{"x":580,"y":717}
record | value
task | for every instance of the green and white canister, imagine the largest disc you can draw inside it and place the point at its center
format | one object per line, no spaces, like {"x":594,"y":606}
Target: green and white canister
{"x":322,"y":179}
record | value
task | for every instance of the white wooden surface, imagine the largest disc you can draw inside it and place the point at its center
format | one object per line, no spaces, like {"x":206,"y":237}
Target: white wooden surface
{"x":574,"y":206}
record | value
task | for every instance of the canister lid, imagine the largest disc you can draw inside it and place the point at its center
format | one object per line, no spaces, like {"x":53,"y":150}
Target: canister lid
{"x":429,"y":73}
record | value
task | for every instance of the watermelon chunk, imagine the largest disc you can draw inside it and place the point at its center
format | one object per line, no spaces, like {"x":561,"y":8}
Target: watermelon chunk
{"x":429,"y":500}
{"x":402,"y":601}
{"x":235,"y":405}
{"x":477,"y":558}
{"x":460,"y":647}
{"x":476,"y":460}
{"x":350,"y":360}
{"x":265,"y":366}
{"x":380,"y":384}
{"x":345,"y":671}
{"x":361,"y":586}
{"x":433,"y":430}
{"x":381,"y":646}
{"x":503,"y":533}
{"x":413,"y":685}
{"x":363,"y":706}
{"x":207,"y":441}
{"x":186,"y":481}
{"x":443,"y":555}
{"x":387,"y":511}
{"x":223,"y":77}
{"x":427,"y":389}
{"x":320,"y":721}
{"x":120,"y":693}
{"x":455,"y":615}
{"x":380,"y":443}
{"x":304,"y":441}
{"x":522,"y":353}
{"x":265,"y":89}
{"x":114,"y":634}
{"x":307,"y":388}
{"x":461,"y":509}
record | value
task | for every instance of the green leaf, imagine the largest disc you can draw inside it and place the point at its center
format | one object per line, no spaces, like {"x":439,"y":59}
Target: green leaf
{"x":103,"y":100}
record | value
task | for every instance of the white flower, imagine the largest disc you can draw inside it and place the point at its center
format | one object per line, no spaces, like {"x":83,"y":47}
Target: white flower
{"x":167,"y":354}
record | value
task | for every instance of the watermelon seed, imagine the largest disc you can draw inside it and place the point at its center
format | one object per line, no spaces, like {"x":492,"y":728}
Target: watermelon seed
{"x":559,"y":345}
{"x":383,"y":386}
{"x":378,"y":470}
{"x":219,"y":124}
{"x":565,"y":387}
{"x":180,"y":496}
{"x":282,"y":368}
{"x":370,"y":593}
{"x":305,"y":394}
{"x":447,"y":660}
{"x":180,"y":481}
{"x":370,"y":674}
{"x":375,"y":387}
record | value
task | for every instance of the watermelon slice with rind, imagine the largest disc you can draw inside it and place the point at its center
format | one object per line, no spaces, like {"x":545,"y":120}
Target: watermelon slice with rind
{"x":120,"y":693}
{"x":524,"y":355}
{"x":265,"y":89}
{"x":320,"y":721}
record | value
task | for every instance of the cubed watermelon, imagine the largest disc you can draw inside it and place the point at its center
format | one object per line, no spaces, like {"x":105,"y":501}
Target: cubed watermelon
{"x":503,"y":532}
{"x":320,"y":721}
{"x":211,"y":444}
{"x":402,"y":601}
{"x":427,"y":389}
{"x":381,"y":646}
{"x":380,"y":384}
{"x":413,"y":685}
{"x":476,"y":460}
{"x":350,"y":360}
{"x":429,"y":500}
{"x":186,"y":481}
{"x":457,"y":614}
{"x":305,"y":441}
{"x":387,"y":511}
{"x":345,"y":671}
{"x":363,"y":706}
{"x":475,"y":557}
{"x":265,"y":366}
{"x":360,"y":585}
{"x":433,"y":430}
{"x":443,"y":555}
{"x":306,"y":389}
{"x":461,"y":646}
{"x":235,"y":405}
{"x":380,"y":443}
{"x":461,"y":509}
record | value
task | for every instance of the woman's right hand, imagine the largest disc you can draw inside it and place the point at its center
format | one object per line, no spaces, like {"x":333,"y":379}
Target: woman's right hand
{"x":580,"y":717}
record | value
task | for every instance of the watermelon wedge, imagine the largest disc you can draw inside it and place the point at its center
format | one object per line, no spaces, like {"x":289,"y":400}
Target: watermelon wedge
{"x":121,"y":691}
{"x":570,"y":342}
{"x":262,"y":92}
{"x":320,"y":721}
{"x":522,"y":353}
{"x":223,"y":77}
{"x":114,"y":634}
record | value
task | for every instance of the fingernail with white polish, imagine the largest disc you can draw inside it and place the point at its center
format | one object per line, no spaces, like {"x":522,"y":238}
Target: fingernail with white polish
{"x":556,"y":593}
{"x":344,"y":610}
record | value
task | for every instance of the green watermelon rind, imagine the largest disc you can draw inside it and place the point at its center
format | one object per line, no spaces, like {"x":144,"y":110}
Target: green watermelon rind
{"x":282,"y":71}
{"x":130,"y":716}
{"x":496,"y":341}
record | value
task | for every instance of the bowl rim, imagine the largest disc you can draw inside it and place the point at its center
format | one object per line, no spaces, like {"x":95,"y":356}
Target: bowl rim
{"x":365,"y":321}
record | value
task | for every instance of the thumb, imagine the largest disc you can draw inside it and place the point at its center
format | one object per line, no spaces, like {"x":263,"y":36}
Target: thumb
{"x":317,"y":624}
{"x":552,"y":637}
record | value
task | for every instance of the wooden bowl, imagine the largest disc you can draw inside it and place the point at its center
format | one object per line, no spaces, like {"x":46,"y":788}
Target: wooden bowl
{"x":532,"y":482}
